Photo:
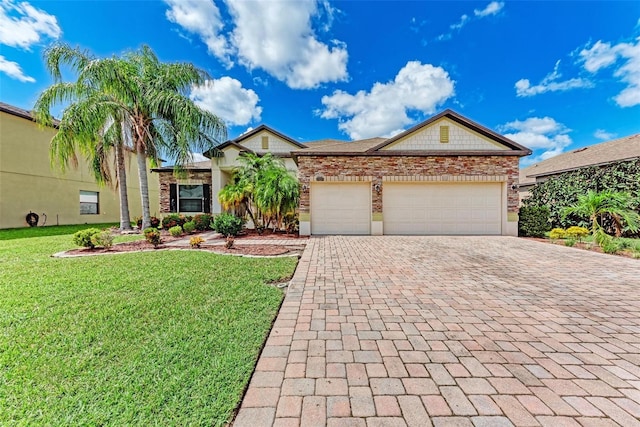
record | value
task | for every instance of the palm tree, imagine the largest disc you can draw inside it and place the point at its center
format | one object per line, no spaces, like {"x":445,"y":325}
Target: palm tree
{"x":263,"y":188}
{"x":146,"y":99}
{"x":609,"y":203}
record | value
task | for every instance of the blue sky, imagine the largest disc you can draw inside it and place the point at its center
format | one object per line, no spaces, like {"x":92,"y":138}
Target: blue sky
{"x":553,"y":76}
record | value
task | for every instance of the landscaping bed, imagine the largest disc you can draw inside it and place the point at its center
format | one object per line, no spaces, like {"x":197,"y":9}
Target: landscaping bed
{"x":588,"y":246}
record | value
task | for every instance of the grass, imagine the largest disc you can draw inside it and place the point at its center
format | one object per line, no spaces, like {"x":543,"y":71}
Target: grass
{"x":155,"y":338}
{"x":56,"y":230}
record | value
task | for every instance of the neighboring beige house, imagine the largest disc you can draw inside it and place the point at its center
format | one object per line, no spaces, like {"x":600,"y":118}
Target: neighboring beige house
{"x":447,"y":175}
{"x":605,"y":153}
{"x":28,"y":182}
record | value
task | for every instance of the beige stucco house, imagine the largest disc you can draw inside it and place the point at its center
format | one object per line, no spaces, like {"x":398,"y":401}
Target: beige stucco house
{"x":447,"y":175}
{"x":28,"y":182}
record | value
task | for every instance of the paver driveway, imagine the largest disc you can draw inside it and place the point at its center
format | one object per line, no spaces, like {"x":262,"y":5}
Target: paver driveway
{"x":419,"y":331}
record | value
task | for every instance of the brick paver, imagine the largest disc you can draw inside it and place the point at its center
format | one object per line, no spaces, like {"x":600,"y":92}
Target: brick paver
{"x":477,"y":331}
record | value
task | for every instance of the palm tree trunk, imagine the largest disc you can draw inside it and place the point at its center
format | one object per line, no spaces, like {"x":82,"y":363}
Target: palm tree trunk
{"x":125,"y":219}
{"x":144,"y":187}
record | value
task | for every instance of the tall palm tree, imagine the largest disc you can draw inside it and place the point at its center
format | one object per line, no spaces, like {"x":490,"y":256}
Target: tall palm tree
{"x":613,"y":204}
{"x":146,"y":99}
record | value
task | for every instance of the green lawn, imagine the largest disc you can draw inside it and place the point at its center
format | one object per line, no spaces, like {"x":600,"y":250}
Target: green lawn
{"x":155,"y":338}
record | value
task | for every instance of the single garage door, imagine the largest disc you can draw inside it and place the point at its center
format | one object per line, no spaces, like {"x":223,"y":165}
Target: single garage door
{"x":340,"y":208}
{"x":439,"y":208}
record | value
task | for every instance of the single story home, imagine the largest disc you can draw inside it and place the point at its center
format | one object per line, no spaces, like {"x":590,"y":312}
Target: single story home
{"x":28,"y":182}
{"x":620,"y":150}
{"x":447,"y":175}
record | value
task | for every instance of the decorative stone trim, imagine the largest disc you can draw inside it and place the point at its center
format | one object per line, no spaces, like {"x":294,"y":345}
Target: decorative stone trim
{"x":341,"y":178}
{"x":446,"y":178}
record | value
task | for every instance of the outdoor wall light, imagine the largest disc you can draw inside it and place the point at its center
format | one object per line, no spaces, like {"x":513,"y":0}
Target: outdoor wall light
{"x":305,"y":188}
{"x":515,"y":186}
{"x":377,"y":188}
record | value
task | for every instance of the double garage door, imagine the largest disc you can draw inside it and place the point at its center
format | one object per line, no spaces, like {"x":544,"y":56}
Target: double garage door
{"x":408,"y":208}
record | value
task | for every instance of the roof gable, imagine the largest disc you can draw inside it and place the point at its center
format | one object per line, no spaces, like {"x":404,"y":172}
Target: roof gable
{"x":277,"y":142}
{"x":464,"y":136}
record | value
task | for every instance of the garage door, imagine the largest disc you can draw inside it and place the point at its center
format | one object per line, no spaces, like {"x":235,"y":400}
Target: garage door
{"x":438,"y":208}
{"x":339,"y":208}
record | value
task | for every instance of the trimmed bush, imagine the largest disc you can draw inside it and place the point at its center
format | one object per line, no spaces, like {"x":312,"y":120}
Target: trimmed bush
{"x":557,"y":233}
{"x":196,"y":241}
{"x":189,"y":227}
{"x":84,"y":237}
{"x":202,"y":221}
{"x":227,"y":224}
{"x":155,"y":222}
{"x":153,"y":236}
{"x":577,"y":233}
{"x":533,"y":221}
{"x":172,"y":220}
{"x":103,"y":239}
{"x":175,"y":231}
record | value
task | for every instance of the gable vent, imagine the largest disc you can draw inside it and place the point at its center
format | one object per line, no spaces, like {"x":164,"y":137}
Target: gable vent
{"x":444,"y":134}
{"x":265,"y":142}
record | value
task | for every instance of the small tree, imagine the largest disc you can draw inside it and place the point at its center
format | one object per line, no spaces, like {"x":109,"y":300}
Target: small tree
{"x":612,"y":204}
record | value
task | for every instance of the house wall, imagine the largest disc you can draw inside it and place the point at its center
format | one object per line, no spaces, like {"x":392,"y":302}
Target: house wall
{"x":381,"y":169}
{"x":460,"y":138}
{"x":28,"y":182}
{"x":168,"y":178}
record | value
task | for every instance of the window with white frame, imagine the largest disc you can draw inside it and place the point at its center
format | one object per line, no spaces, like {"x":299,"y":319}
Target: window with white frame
{"x":89,"y":203}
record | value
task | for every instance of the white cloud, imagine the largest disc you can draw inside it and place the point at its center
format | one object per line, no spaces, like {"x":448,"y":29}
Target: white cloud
{"x":604,"y":135}
{"x":226,"y":98}
{"x":603,"y":55}
{"x":541,"y":134}
{"x":550,"y":84}
{"x":22,"y":25}
{"x":383,"y":110}
{"x":13,"y":70}
{"x":491,"y":9}
{"x":275,"y":36}
{"x":202,"y":18}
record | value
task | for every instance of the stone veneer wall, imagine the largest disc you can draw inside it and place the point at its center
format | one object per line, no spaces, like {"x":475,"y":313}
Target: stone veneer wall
{"x":379,"y":169}
{"x":167,"y":178}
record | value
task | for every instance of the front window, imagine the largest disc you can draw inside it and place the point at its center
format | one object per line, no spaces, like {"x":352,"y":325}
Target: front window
{"x":89,"y":203}
{"x":190,"y":198}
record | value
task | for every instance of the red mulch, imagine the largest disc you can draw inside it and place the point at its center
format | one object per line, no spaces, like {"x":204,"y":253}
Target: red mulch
{"x":237,"y":249}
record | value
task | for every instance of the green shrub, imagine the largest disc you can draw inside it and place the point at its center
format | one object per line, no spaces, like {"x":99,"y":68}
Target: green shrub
{"x":172,"y":220}
{"x":188,"y":227}
{"x":533,"y":221}
{"x":577,"y":232}
{"x":611,"y":246}
{"x":175,"y":231}
{"x":103,"y":239}
{"x":153,"y":236}
{"x":227,"y":224}
{"x":83,"y":237}
{"x":570,"y":242}
{"x":202,"y":221}
{"x":557,"y":233}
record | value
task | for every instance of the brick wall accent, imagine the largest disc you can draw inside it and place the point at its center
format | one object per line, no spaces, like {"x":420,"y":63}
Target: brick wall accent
{"x":408,"y":168}
{"x":167,"y":178}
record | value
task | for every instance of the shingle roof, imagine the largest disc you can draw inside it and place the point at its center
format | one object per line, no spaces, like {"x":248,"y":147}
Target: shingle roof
{"x":19,"y":112}
{"x":203,"y":165}
{"x":626,"y":148}
{"x":338,"y":146}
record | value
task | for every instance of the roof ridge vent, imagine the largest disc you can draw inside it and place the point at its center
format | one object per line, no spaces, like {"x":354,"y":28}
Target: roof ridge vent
{"x":580,"y":149}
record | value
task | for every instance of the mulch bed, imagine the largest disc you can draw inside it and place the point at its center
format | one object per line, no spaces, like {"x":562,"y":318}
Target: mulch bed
{"x":581,"y":245}
{"x":296,"y":246}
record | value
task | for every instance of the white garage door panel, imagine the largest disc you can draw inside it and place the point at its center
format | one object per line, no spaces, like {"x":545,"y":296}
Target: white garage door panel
{"x":460,"y":208}
{"x":338,"y":208}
